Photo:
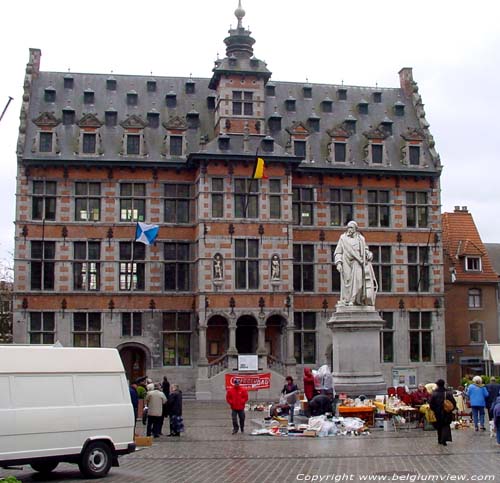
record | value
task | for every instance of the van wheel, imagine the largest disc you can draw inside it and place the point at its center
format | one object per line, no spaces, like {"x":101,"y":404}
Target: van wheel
{"x":44,"y":466}
{"x":95,"y":460}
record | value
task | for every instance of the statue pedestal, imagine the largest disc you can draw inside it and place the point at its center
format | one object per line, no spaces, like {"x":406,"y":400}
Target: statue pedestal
{"x":356,"y":350}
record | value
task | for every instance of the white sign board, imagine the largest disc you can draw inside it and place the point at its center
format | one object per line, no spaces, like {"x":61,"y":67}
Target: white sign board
{"x":404,"y":377}
{"x":248,"y":362}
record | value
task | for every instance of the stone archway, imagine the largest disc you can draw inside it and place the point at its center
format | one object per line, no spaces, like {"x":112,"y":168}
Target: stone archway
{"x":274,"y":336}
{"x":136,"y":360}
{"x":246,"y":335}
{"x":217,"y":337}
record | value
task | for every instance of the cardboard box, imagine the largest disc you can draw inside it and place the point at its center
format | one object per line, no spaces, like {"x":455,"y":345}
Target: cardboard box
{"x":143,"y":440}
{"x":310,"y":432}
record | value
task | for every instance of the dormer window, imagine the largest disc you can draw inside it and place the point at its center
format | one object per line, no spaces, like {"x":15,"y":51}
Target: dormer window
{"x":171,"y":100}
{"x":190,"y":87}
{"x":327,"y":105}
{"x":110,"y":118}
{"x":193,"y":119}
{"x":363,"y":107}
{"x":88,"y":97}
{"x":50,"y":94}
{"x":313,"y":123}
{"x":68,"y":117}
{"x":224,"y":143}
{"x":339,"y":152}
{"x":175,"y":144}
{"x":132,"y":98}
{"x":307,"y":92}
{"x":270,"y":90}
{"x":414,"y":155}
{"x":350,"y":124}
{"x":153,"y":119}
{"x":88,"y":143}
{"x":151,"y":86}
{"x":473,"y":264}
{"x":299,"y":148}
{"x":342,"y":94}
{"x":399,"y":109}
{"x":377,"y":97}
{"x":133,"y":144}
{"x":386,"y":126}
{"x":290,"y":104}
{"x":377,"y":153}
{"x":111,"y":84}
{"x":274,"y":122}
{"x":45,"y":142}
{"x":68,"y":82}
{"x":268,"y":145}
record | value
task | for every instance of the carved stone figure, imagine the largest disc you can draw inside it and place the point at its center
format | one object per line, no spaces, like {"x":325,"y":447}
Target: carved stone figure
{"x":218,"y":268}
{"x":275,"y":268}
{"x":353,"y":260}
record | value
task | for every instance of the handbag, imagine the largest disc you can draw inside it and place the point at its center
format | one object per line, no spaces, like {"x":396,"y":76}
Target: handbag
{"x":145,"y":415}
{"x":448,"y":406}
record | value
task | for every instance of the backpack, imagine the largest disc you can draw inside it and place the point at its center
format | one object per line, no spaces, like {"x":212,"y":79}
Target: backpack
{"x":448,"y":406}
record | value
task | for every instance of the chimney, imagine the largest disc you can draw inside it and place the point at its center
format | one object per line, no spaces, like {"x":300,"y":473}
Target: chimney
{"x":457,"y":209}
{"x":406,"y":80}
{"x":34,"y":62}
{"x":464,"y":209}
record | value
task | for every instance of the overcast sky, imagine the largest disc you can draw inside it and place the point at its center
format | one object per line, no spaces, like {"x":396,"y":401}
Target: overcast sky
{"x":453,"y":47}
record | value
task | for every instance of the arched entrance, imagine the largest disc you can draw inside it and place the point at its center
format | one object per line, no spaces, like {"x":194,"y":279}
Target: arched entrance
{"x":274,"y":336}
{"x":134,"y":358}
{"x":217,"y":337}
{"x":246,"y":335}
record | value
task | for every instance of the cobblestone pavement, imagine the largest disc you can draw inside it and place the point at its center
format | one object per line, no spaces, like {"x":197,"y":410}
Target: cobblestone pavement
{"x":208,"y":452}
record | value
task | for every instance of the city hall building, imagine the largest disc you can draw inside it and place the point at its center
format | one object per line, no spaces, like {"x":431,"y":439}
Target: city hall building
{"x":241,"y":265}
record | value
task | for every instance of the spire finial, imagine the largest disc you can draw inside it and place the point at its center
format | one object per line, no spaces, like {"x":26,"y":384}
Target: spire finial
{"x":239,"y":13}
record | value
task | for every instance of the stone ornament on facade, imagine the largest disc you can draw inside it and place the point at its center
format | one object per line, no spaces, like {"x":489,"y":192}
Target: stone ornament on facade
{"x":218,"y":269}
{"x":358,"y":285}
{"x":275,"y":268}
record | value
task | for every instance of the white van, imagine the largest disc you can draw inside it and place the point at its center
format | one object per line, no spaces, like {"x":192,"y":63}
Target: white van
{"x":64,"y":404}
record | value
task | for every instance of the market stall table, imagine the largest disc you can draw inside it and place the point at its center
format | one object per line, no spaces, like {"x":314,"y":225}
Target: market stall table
{"x":366,"y":413}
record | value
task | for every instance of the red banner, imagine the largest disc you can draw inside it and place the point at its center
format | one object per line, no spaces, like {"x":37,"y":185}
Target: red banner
{"x":251,"y":382}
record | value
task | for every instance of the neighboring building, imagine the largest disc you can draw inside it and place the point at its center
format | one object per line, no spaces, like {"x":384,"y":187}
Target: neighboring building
{"x":6,"y":294}
{"x":471,"y":296}
{"x":241,"y":265}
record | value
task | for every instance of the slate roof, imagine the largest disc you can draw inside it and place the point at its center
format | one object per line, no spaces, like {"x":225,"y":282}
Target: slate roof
{"x":461,"y":239}
{"x":393,"y":115}
{"x":493,"y":250}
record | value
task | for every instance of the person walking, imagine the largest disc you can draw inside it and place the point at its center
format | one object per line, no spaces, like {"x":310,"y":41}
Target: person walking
{"x":493,"y":389}
{"x":236,"y":397}
{"x":134,"y":398}
{"x":496,"y":417}
{"x":165,"y":387}
{"x":478,"y":396}
{"x":443,"y":417}
{"x":155,"y":399}
{"x":289,"y":393}
{"x":174,"y":410}
{"x":308,"y":381}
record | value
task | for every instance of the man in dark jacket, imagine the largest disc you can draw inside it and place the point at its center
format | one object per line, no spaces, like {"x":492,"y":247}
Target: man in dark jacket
{"x":134,"y":397}
{"x":493,"y":389}
{"x":237,"y":397}
{"x":321,"y":404}
{"x":174,"y":410}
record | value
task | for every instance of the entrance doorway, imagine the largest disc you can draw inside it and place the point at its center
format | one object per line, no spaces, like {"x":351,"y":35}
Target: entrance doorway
{"x":246,"y":335}
{"x":134,"y":361}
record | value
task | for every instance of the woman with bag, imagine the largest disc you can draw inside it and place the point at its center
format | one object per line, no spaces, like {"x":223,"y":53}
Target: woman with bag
{"x":441,"y":402}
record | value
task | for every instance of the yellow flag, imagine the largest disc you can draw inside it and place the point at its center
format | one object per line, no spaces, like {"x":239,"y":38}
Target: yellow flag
{"x":258,"y":171}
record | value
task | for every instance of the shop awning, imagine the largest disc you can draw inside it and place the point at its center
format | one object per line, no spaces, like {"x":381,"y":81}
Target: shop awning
{"x":492,"y":353}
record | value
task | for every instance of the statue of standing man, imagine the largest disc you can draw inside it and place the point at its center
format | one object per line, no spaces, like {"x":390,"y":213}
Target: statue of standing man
{"x":352,"y":258}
